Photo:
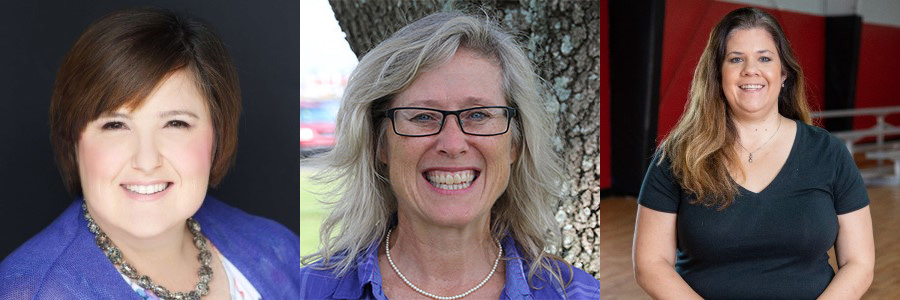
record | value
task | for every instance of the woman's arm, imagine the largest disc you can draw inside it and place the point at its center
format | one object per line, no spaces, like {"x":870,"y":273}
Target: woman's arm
{"x":653,"y":254}
{"x":855,"y":251}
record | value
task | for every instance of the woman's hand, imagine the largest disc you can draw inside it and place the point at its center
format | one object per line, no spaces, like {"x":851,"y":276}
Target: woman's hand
{"x":855,"y":251}
{"x":653,"y":254}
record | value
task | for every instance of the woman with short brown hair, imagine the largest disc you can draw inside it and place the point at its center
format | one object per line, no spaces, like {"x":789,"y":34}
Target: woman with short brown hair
{"x":143,"y":120}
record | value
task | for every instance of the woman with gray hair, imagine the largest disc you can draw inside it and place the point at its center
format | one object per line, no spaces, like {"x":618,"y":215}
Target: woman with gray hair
{"x":443,"y":174}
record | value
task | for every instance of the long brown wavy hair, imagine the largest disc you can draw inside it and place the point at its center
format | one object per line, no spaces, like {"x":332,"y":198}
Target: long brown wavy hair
{"x":701,"y":146}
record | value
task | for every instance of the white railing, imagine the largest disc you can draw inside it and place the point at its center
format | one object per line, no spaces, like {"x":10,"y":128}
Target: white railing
{"x":881,"y":150}
{"x":881,"y":129}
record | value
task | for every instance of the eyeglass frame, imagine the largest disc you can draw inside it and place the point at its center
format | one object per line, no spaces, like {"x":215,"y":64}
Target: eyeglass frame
{"x":390,"y":115}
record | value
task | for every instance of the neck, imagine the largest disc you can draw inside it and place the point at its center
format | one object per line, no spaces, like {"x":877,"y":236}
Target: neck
{"x":755,"y":127}
{"x":173,"y":245}
{"x":443,"y":254}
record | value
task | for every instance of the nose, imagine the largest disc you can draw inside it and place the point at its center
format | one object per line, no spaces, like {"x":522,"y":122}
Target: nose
{"x":451,"y":140}
{"x":147,"y":157}
{"x":750,"y":68}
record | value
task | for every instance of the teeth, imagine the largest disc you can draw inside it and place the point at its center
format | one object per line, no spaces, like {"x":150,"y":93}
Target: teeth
{"x":451,"y":180}
{"x":751,"y":86}
{"x":146,"y":189}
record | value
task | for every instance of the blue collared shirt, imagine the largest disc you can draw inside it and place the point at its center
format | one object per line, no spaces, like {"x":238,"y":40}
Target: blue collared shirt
{"x":364,"y":280}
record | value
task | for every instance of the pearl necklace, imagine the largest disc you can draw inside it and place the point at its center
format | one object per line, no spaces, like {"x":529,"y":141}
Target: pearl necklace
{"x":387,"y":251}
{"x":750,"y":160}
{"x":115,"y":256}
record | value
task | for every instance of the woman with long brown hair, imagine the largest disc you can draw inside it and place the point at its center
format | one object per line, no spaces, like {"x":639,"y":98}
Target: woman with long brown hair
{"x":745,"y":197}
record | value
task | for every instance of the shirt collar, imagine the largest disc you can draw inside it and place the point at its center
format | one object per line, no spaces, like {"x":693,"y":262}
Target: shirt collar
{"x":367,"y":272}
{"x":516,"y":286}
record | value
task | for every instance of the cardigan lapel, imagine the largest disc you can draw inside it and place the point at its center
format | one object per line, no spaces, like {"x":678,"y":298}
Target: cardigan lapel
{"x":87,"y":264}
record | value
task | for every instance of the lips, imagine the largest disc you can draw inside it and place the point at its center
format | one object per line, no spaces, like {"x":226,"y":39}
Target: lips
{"x":751,"y":87}
{"x":147,"y":189}
{"x":451,"y":180}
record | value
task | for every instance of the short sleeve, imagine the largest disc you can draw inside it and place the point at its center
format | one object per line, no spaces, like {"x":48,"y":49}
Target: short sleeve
{"x":660,"y":191}
{"x":849,"y":189}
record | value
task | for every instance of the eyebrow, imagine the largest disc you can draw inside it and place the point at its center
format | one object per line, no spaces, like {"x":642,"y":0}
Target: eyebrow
{"x":172,"y":113}
{"x":469,"y":101}
{"x":165,"y":114}
{"x":740,"y":53}
{"x":115,"y":115}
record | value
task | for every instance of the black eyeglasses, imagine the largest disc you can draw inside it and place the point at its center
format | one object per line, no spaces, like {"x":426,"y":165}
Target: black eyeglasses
{"x":480,"y":121}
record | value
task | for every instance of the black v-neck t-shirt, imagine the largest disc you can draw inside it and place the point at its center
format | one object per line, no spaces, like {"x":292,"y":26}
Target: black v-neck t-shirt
{"x":767,"y":245}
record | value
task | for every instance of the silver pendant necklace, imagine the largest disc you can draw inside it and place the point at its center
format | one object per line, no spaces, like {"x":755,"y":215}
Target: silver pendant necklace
{"x":115,"y":256}
{"x":387,"y":251}
{"x":750,"y":159}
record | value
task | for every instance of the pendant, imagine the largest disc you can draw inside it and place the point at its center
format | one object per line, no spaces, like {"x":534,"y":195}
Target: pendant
{"x":751,"y":158}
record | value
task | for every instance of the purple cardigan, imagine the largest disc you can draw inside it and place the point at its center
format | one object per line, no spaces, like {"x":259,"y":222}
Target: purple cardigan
{"x":63,"y":262}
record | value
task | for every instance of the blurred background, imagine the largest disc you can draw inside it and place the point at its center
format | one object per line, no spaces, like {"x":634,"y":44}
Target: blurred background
{"x":325,"y":64}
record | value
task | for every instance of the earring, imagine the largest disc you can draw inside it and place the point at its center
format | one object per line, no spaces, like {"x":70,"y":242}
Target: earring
{"x":782,"y":84}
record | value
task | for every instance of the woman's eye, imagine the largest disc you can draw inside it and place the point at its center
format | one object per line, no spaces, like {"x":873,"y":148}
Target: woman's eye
{"x":479,"y":115}
{"x":114,"y":125}
{"x":735,"y":60}
{"x":765,"y":59}
{"x":178,"y":124}
{"x":422,"y":118}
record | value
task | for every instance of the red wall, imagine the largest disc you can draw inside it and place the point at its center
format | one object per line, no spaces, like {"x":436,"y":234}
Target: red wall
{"x":687,"y":27}
{"x":605,"y":175}
{"x":879,"y":64}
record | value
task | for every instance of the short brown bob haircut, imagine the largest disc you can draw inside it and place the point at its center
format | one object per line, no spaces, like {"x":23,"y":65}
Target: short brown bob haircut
{"x":120,"y":59}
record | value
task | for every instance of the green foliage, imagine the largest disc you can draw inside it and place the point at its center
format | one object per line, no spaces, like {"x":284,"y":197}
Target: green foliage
{"x":311,"y":213}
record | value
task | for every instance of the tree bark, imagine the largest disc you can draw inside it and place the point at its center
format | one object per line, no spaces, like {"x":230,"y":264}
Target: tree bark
{"x":562,"y":37}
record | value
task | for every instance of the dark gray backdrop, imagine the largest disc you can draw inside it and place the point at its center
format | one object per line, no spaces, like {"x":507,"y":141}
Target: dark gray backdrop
{"x":263,"y":40}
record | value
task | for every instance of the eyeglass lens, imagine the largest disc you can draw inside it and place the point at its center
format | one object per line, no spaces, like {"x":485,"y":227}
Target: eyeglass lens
{"x":479,"y":121}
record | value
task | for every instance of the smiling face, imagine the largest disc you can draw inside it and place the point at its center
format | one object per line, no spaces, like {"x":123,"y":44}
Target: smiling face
{"x":450,"y":179}
{"x":145,"y":171}
{"x":752,"y":73}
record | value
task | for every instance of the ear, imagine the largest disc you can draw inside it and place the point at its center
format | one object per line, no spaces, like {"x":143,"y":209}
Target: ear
{"x":783,"y":78}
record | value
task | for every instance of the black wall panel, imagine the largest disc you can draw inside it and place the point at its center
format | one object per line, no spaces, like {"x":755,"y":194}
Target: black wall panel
{"x":842,"y":41}
{"x":635,"y":39}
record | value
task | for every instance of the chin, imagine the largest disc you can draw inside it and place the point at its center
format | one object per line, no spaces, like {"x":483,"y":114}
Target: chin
{"x":155,"y":222}
{"x":149,"y":228}
{"x":453,"y":218}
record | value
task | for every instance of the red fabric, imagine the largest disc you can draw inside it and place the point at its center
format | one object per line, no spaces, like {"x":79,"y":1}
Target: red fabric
{"x":876,"y":79}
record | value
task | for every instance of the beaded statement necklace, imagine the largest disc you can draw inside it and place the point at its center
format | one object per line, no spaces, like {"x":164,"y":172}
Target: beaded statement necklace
{"x":115,"y":256}
{"x":387,"y":251}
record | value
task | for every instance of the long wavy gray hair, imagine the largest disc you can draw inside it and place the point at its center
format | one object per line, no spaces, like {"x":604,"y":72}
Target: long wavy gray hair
{"x":362,"y":202}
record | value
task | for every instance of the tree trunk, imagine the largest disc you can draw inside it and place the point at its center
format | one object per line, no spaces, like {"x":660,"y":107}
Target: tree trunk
{"x":562,"y":37}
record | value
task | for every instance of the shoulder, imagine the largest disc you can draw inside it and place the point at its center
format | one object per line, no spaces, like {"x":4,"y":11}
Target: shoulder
{"x":818,"y":138}
{"x":361,"y":279}
{"x":819,"y":149}
{"x":43,"y":262}
{"x":230,"y":223}
{"x":660,"y":165}
{"x":266,"y":252}
{"x":581,"y":285}
{"x":578,"y":283}
{"x":660,"y":190}
{"x":319,"y":282}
